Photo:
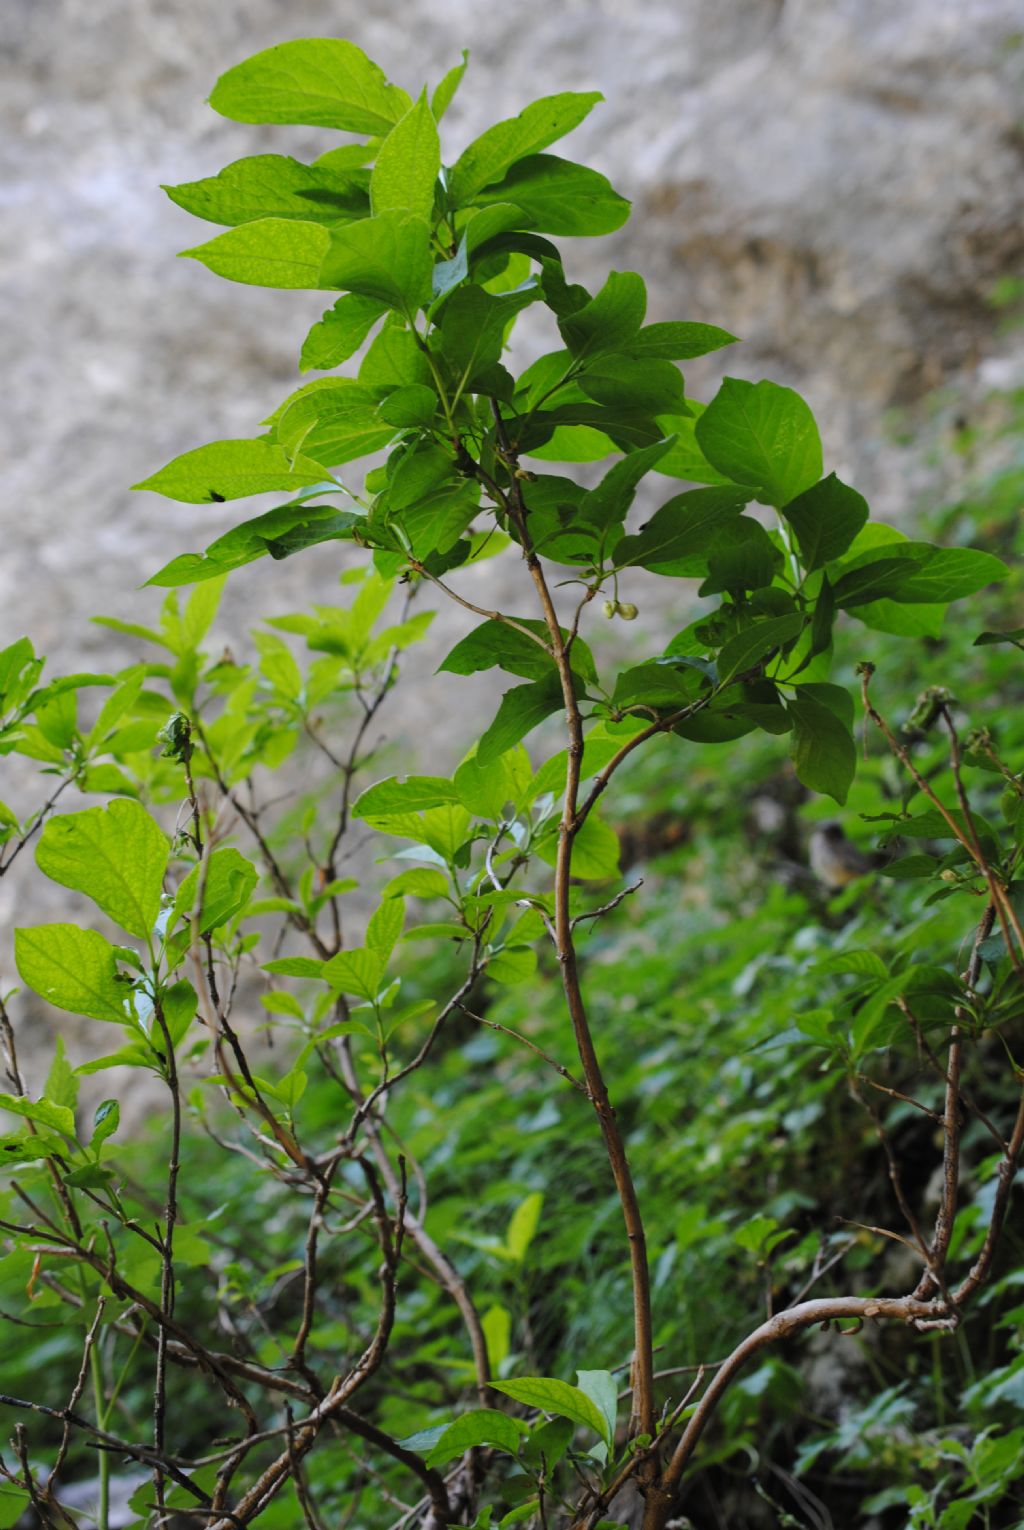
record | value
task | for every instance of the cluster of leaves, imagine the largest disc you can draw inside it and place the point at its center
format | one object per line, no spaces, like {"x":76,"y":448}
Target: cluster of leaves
{"x":336,"y":1276}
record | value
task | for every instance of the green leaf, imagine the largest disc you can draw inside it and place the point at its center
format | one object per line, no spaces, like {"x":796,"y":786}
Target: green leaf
{"x":61,"y":1082}
{"x":751,"y":645}
{"x":610,"y":320}
{"x":408,"y":163}
{"x":513,"y":965}
{"x":273,"y":186}
{"x":473,"y":325}
{"x":295,"y":966}
{"x":496,"y":644}
{"x":445,"y":92}
{"x":523,"y":1226}
{"x":420,"y":471}
{"x":269,"y":252}
{"x":558,"y":1397}
{"x":116,"y":855}
{"x":409,"y":408}
{"x":340,"y":333}
{"x":538,"y":125}
{"x":677,"y":342}
{"x":106,"y":1120}
{"x":742,"y":557}
{"x":559,"y":197}
{"x":358,"y":972}
{"x":826,"y":518}
{"x":482,"y":1426}
{"x":686,"y":460}
{"x":60,"y":1117}
{"x":384,"y":929}
{"x":334,"y":419}
{"x":656,"y":386}
{"x":486,"y":790}
{"x":278,"y":533}
{"x":609,"y":502}
{"x":947,"y":574}
{"x":414,"y":794}
{"x":762,"y":435}
{"x":684,"y":529}
{"x":232,"y":470}
{"x":228,"y":885}
{"x":521,"y":709}
{"x":387,"y":257}
{"x":603,"y":1392}
{"x":823,"y":752}
{"x":418,"y":882}
{"x":595,"y":850}
{"x":75,"y":970}
{"x":317,"y":81}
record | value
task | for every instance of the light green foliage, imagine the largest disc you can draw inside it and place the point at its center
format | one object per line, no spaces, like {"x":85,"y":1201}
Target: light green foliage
{"x":378,"y":1026}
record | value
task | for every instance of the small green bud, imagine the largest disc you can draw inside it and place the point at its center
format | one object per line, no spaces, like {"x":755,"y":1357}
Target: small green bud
{"x":628,"y":611}
{"x":609,"y":608}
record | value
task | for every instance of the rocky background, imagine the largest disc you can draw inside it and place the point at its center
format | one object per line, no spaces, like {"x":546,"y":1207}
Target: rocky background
{"x":836,"y":181}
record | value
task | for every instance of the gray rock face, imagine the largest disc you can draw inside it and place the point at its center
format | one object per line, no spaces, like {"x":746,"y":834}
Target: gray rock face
{"x":837,"y":181}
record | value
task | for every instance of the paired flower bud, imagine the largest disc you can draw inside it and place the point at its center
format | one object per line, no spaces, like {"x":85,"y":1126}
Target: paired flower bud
{"x":623,"y":608}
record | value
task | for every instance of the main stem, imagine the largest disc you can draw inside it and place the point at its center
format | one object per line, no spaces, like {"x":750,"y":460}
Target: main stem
{"x":643,"y":1420}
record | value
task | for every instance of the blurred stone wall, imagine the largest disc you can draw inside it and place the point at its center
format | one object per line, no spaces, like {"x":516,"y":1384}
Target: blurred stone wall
{"x":836,"y":181}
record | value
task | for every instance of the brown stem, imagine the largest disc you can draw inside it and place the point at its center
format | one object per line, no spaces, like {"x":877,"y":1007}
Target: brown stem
{"x":643,"y":1420}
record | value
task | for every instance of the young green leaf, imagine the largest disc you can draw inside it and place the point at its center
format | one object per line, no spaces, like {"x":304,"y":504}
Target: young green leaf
{"x":278,"y":533}
{"x":408,"y":164}
{"x":333,"y":420}
{"x":763,"y":435}
{"x":274,"y":186}
{"x":552,"y":1396}
{"x":387,"y":257}
{"x":489,"y":156}
{"x":357,"y":972}
{"x":75,"y":970}
{"x":226,"y":883}
{"x":232,"y":470}
{"x":269,"y":252}
{"x":318,"y":81}
{"x":340,"y":333}
{"x":116,"y":855}
{"x":414,"y":794}
{"x":445,"y":92}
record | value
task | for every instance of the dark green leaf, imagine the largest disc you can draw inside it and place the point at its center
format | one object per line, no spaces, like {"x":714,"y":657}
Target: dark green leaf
{"x":678,"y":342}
{"x":322,"y":82}
{"x":685,"y":528}
{"x":823,"y":752}
{"x":473,"y":325}
{"x":489,"y":156}
{"x":762,"y":435}
{"x":656,"y":386}
{"x":742,"y":557}
{"x":608,"y":503}
{"x":409,"y":407}
{"x":520,"y":711}
{"x":419,"y":473}
{"x":610,"y":320}
{"x":750,"y":646}
{"x":826,"y":518}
